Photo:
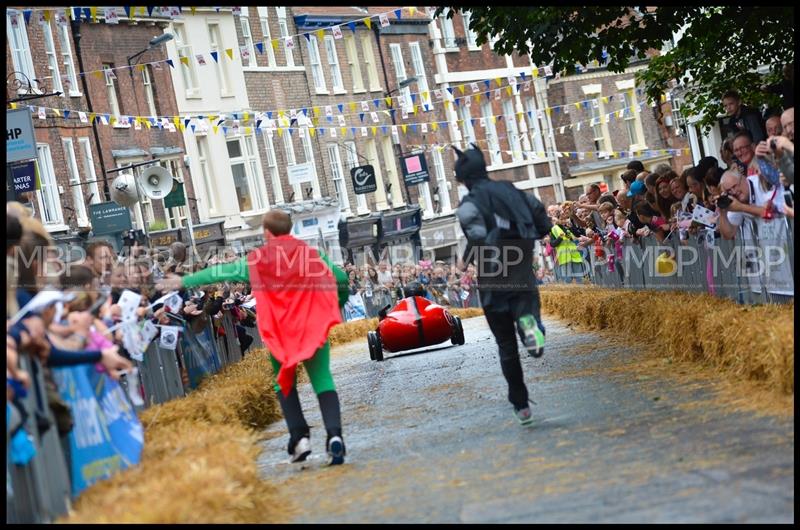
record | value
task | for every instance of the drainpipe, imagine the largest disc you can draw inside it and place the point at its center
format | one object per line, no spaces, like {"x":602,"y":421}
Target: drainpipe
{"x":76,"y":37}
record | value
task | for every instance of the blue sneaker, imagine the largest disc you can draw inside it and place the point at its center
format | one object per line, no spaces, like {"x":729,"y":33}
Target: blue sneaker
{"x":336,"y":451}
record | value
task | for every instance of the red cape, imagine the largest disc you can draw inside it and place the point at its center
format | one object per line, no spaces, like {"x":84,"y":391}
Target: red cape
{"x":296,"y":299}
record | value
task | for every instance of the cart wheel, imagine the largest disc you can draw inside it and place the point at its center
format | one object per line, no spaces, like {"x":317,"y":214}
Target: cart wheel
{"x":371,"y":344}
{"x":458,"y":332}
{"x":378,"y":347}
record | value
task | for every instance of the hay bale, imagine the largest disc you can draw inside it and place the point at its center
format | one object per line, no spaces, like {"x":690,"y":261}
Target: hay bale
{"x":191,"y":472}
{"x":750,"y":342}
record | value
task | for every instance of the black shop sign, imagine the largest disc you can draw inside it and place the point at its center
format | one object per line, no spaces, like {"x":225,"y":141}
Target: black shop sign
{"x":363,"y":179}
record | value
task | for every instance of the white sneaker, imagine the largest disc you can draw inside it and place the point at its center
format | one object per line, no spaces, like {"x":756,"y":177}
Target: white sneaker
{"x":301,"y":450}
{"x":336,"y":451}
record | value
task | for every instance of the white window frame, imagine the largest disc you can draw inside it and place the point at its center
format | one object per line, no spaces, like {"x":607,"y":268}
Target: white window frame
{"x":352,"y":161}
{"x":75,"y":182}
{"x":472,"y":37}
{"x":512,"y":131}
{"x":633,"y":118}
{"x":248,"y":159}
{"x":147,"y":81}
{"x":596,"y":111}
{"x":88,"y":170}
{"x":263,"y":17}
{"x":52,"y":58}
{"x":188,"y":72}
{"x":369,"y":61}
{"x":441,"y":181}
{"x":315,"y":60}
{"x":448,"y":32}
{"x":291,"y":159}
{"x":208,"y":181}
{"x":535,"y":128}
{"x":67,"y":61}
{"x":308,"y":151}
{"x":284,"y":26}
{"x":419,"y":72}
{"x":492,"y":142}
{"x":337,"y":174}
{"x":215,"y":44}
{"x":48,"y":195}
{"x":272,"y":168}
{"x":400,"y":72}
{"x":111,"y":92}
{"x":355,"y":65}
{"x":337,"y":82}
{"x":244,"y":20}
{"x":20,"y":50}
{"x":466,"y":120}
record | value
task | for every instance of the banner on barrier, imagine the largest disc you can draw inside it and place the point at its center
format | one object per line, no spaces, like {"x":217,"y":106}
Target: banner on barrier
{"x":200,"y":354}
{"x":354,"y":308}
{"x":107,"y":436}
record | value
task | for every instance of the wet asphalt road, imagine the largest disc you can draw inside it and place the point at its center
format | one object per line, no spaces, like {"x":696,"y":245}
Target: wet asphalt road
{"x":431,"y":438}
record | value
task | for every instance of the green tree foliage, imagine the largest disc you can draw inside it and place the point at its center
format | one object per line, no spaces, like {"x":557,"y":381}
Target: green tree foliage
{"x":720,"y":48}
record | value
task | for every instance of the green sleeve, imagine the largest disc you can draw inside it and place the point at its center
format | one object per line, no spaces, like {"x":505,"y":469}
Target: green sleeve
{"x":236,"y":271}
{"x":342,"y":281}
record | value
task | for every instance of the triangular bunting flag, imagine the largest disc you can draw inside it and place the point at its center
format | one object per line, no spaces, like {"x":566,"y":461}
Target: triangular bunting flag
{"x":307,"y":36}
{"x":374,"y":131}
{"x":414,"y":127}
{"x":260,"y":47}
{"x":361,"y":115}
{"x":376,"y":102}
{"x":215,"y":56}
{"x":404,"y":127}
{"x":368,"y":23}
{"x":150,"y":11}
{"x":127,"y":11}
{"x":397,"y":13}
{"x":352,"y":26}
{"x":169,"y":62}
{"x":321,"y":34}
{"x":66,"y":114}
{"x":185,"y":60}
{"x":229,"y":51}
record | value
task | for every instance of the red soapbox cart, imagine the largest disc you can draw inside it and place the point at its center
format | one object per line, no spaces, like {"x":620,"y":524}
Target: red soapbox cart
{"x":413,"y":323}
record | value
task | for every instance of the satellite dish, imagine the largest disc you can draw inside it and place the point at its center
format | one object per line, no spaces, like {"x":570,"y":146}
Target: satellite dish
{"x":156,"y":182}
{"x":123,"y":190}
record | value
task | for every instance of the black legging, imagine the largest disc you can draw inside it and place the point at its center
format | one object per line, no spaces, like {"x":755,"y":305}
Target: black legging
{"x":502,"y":324}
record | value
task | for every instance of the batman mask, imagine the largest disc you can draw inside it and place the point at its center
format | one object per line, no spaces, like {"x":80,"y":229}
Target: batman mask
{"x":470,"y":165}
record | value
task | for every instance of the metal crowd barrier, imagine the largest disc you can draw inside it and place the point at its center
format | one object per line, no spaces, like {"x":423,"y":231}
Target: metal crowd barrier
{"x":39,"y":491}
{"x":698,"y":267}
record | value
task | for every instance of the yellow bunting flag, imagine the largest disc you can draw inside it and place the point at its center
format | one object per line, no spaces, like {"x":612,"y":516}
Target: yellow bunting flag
{"x":275,"y":44}
{"x":280,"y":115}
{"x":112,"y":120}
{"x":146,"y":123}
{"x":461,"y":88}
{"x":415,"y":109}
{"x":412,"y":10}
{"x":229,"y":52}
{"x":321,"y":34}
{"x":498,"y":81}
{"x":13,"y":105}
{"x":404,"y":127}
{"x":425,"y":95}
{"x":176,"y":121}
{"x":605,"y":99}
{"x":248,"y":131}
{"x":535,"y":72}
{"x":194,"y":9}
{"x":508,"y":90}
{"x":182,"y":127}
{"x":663,"y":98}
{"x":549,"y":111}
{"x":374,"y":131}
{"x":47,"y":15}
{"x":368,"y":23}
{"x":317,"y":111}
{"x":142,"y":10}
{"x":447,"y":104}
{"x":352,"y":106}
{"x":388,"y":101}
{"x":577,"y":104}
{"x":93,"y":12}
{"x":213,"y":117}
{"x":98,"y":74}
{"x":55,"y":111}
{"x":311,"y":132}
{"x":140,"y":67}
{"x":435,"y":126}
{"x":185,"y":60}
{"x":343,"y":130}
{"x":280,"y":132}
{"x":494,"y":119}
{"x":246,"y":116}
{"x":216,"y":129}
{"x":478,"y":97}
{"x":92,"y":116}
